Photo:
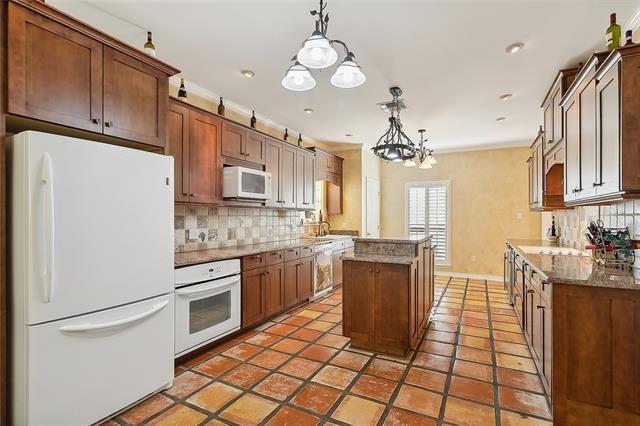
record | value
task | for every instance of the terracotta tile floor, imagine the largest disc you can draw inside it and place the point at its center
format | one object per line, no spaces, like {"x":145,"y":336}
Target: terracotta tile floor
{"x":471,"y":368}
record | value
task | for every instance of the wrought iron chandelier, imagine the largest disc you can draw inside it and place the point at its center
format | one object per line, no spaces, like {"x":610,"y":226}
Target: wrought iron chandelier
{"x":317,"y":52}
{"x":394,"y":144}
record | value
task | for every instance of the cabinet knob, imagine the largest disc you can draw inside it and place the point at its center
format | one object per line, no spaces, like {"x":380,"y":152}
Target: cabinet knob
{"x":370,"y":270}
{"x":95,"y":120}
{"x":529,"y":291}
{"x":378,"y":271}
{"x":108,"y":123}
{"x":540,"y":307}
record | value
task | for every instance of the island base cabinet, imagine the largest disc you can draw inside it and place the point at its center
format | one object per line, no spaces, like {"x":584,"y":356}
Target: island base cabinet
{"x":380,"y":306}
{"x":596,"y":356}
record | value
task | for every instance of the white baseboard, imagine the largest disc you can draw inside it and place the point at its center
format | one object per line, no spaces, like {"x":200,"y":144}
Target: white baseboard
{"x":472,"y":276}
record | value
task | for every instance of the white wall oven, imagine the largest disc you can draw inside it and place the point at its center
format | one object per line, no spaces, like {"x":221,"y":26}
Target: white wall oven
{"x":242,"y":182}
{"x":207,"y":303}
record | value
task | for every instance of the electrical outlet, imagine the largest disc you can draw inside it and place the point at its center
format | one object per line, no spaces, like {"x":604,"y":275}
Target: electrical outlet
{"x":519,"y":216}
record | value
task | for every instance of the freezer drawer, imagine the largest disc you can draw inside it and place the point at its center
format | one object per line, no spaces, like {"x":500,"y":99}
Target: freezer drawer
{"x":80,"y":370}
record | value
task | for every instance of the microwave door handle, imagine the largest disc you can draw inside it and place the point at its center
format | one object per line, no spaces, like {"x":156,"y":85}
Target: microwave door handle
{"x":116,"y":323}
{"x":208,"y":289}
{"x":48,"y":236}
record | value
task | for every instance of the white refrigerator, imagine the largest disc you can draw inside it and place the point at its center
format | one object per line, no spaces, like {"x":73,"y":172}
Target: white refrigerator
{"x":91,"y":277}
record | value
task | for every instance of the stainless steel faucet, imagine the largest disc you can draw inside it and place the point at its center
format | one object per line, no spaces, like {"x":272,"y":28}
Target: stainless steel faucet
{"x":320,"y":232}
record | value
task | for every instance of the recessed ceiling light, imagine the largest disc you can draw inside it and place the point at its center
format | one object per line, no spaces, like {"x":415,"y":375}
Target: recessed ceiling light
{"x":501,"y":118}
{"x":308,"y":110}
{"x":514,"y":47}
{"x":248,"y":73}
{"x":506,"y":96}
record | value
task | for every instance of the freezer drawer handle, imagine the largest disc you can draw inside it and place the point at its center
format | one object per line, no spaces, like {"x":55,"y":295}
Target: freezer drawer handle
{"x":48,"y":233}
{"x":116,"y":323}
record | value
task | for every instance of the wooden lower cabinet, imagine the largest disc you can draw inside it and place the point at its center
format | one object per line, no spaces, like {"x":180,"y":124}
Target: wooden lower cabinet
{"x":270,"y":285}
{"x":274,"y":289}
{"x":253,"y":296}
{"x":380,"y":306}
{"x":596,"y":355}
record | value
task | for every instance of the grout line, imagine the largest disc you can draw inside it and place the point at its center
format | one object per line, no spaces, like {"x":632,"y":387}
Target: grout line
{"x":494,"y":367}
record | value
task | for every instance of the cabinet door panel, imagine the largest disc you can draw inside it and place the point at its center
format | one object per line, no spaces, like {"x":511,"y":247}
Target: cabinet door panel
{"x":309,"y":182}
{"x":608,"y":123}
{"x":54,"y":73}
{"x":539,"y":166}
{"x":548,"y":123}
{"x":253,"y":296}
{"x":392,"y":304}
{"x":572,"y":151}
{"x":204,"y":158}
{"x":547,"y":343}
{"x":587,"y":100}
{"x":233,"y":138}
{"x":336,"y":266}
{"x":420,"y":286}
{"x":558,"y":131}
{"x":537,"y":327}
{"x":136,"y":98}
{"x":300,"y":187}
{"x":359,"y":297}
{"x":273,"y":165}
{"x":288,"y":177}
{"x":178,"y":148}
{"x":255,"y":148}
{"x":274,"y":289}
{"x":291,"y":278}
{"x":307,"y":270}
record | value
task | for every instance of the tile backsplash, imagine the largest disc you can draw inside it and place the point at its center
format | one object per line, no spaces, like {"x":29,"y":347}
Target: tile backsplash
{"x":572,"y":224}
{"x":201,"y":228}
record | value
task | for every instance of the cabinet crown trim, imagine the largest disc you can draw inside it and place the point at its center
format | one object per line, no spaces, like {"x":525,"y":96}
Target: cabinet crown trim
{"x":580,"y":78}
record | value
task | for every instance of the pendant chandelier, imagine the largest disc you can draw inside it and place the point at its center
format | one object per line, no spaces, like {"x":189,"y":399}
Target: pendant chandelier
{"x":394,"y":144}
{"x":317,"y":52}
{"x":424,"y":156}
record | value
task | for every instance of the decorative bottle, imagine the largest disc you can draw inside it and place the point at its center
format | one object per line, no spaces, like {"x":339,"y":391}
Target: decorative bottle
{"x":221,"y":107}
{"x":286,"y":135}
{"x":149,"y":47}
{"x":629,"y":37}
{"x":613,"y":34}
{"x":253,"y":119}
{"x":182,"y":92}
{"x":300,"y":139}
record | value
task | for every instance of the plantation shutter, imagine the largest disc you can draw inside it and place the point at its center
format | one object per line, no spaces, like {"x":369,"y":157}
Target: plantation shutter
{"x":428,"y":214}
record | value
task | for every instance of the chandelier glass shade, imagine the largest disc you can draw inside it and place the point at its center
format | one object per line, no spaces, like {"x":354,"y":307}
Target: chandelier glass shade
{"x":298,"y":78}
{"x":318,"y":52}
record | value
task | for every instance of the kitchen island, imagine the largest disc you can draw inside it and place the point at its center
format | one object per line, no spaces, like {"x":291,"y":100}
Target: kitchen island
{"x":387,"y":293}
{"x":582,"y":323}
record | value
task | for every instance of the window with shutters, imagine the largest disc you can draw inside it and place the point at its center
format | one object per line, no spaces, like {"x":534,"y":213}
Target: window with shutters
{"x":428,"y":213}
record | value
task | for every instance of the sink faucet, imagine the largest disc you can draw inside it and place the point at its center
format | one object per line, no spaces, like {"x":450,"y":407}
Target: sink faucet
{"x":320,"y":232}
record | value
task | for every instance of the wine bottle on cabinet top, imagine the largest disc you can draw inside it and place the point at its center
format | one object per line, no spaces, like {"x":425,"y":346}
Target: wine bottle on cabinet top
{"x":613,"y":34}
{"x":221,"y":107}
{"x":286,"y":135}
{"x":149,"y":47}
{"x":253,"y":119}
{"x":629,"y":36}
{"x":182,"y":91}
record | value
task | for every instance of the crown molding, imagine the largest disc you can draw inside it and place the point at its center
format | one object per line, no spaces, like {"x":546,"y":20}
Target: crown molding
{"x":174,"y":83}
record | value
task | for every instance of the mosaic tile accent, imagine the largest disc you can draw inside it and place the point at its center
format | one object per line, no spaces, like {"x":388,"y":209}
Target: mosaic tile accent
{"x":202,"y":228}
{"x":459,"y":373}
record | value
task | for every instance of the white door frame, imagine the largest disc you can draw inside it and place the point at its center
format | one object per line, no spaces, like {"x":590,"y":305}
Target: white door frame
{"x":376,"y":234}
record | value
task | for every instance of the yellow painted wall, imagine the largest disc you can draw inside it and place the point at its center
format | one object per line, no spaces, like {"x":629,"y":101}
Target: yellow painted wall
{"x":351,"y":191}
{"x":489,"y":188}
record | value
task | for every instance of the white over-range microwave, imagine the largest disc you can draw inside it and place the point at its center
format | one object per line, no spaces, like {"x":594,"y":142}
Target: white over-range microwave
{"x":242,"y":182}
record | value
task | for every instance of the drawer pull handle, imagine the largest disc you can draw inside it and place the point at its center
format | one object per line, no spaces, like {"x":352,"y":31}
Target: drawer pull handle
{"x":95,"y":120}
{"x":116,"y":323}
{"x":108,"y":123}
{"x":540,"y":307}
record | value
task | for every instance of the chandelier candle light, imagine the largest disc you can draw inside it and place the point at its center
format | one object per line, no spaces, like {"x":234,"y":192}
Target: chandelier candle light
{"x":317,"y":52}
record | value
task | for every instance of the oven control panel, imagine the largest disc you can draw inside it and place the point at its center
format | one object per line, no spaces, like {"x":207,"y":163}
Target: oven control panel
{"x":206,"y":272}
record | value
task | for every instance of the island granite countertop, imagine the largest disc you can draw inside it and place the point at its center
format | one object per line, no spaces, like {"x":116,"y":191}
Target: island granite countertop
{"x":379,"y":258}
{"x":386,"y":250}
{"x":575,"y":270}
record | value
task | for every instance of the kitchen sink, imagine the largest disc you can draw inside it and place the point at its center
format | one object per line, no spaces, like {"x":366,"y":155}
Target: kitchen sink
{"x":564,"y":251}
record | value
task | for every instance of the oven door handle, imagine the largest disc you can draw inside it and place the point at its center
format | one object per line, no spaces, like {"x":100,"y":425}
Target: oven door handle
{"x":216,"y":285}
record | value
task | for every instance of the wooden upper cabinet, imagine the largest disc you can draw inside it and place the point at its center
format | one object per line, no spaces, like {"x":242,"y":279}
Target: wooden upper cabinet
{"x":255,"y":148}
{"x":54,"y":72}
{"x":204,"y":158}
{"x":65,"y":72}
{"x":273,"y":165}
{"x":305,"y":180}
{"x":607,"y":171}
{"x":233,"y":139}
{"x":178,"y":147}
{"x":552,"y":110}
{"x":288,"y":177}
{"x":572,"y":149}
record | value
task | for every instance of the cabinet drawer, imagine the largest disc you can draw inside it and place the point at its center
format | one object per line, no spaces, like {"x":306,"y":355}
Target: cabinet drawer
{"x":292,"y":254}
{"x":254,"y":261}
{"x":306,"y":251}
{"x":275,"y":257}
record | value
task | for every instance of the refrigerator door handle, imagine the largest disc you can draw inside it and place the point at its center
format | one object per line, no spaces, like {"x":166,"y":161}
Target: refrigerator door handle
{"x":115,"y":323}
{"x":48,"y":232}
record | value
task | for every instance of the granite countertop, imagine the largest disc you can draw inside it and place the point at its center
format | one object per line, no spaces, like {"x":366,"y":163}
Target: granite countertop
{"x":405,"y":240}
{"x":576,"y":270}
{"x":211,"y":255}
{"x":379,"y":258}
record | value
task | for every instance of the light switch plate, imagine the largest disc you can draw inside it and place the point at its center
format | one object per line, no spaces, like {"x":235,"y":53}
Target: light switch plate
{"x":519,"y":215}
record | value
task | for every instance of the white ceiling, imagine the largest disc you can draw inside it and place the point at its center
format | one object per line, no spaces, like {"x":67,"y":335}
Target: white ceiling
{"x":447,"y":56}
